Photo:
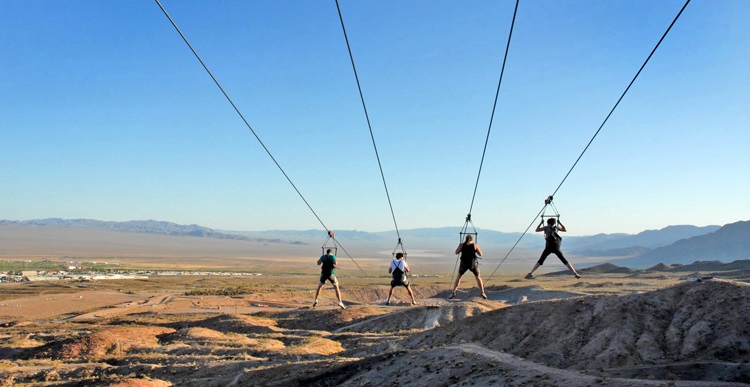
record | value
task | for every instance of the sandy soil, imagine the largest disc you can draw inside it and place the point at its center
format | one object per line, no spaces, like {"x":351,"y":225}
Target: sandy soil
{"x":608,"y":329}
{"x":52,"y":305}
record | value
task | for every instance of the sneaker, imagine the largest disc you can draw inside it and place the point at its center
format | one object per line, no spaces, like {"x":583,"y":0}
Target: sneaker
{"x":452,"y":296}
{"x":388,"y":302}
{"x":414,"y":302}
{"x":341,"y":304}
{"x":315,"y":303}
{"x":484,"y":296}
{"x":577,"y":275}
{"x":529,"y":276}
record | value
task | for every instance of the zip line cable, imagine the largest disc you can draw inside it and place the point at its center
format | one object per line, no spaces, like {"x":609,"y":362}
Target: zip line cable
{"x":622,"y":96}
{"x":494,"y":106}
{"x":487,"y":139}
{"x":236,"y":109}
{"x":367,"y":117}
{"x":517,"y":241}
{"x":350,"y":257}
{"x":597,"y":131}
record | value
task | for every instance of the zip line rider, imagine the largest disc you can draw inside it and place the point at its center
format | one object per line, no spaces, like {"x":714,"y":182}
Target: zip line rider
{"x":552,"y":245}
{"x":327,"y":273}
{"x":398,"y":269}
{"x":469,"y":252}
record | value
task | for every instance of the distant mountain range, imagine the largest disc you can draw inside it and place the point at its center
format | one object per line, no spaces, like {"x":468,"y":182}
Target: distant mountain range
{"x":141,"y":226}
{"x":611,"y":245}
{"x":730,"y":242}
{"x":670,"y":245}
{"x":737,"y":268}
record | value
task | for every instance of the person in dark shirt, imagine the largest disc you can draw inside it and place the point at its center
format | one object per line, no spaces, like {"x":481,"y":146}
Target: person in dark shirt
{"x":328,"y":273}
{"x":469,"y":252}
{"x":552,"y":245}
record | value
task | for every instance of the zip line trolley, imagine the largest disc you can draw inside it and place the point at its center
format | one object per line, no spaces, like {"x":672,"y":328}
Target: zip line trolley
{"x":330,"y":243}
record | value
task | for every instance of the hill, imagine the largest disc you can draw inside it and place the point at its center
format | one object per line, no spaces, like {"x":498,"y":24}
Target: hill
{"x":620,"y":245}
{"x":702,"y":266}
{"x":693,"y":331}
{"x":605,"y":268}
{"x":730,"y":242}
{"x":122,"y":333}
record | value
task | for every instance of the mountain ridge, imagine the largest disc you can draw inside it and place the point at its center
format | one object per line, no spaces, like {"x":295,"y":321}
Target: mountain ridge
{"x":430,"y":238}
{"x":141,"y":226}
{"x":730,"y":242}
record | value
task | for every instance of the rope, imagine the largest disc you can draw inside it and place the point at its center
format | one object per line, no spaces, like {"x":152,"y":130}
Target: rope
{"x":622,"y":96}
{"x":487,"y":138}
{"x":367,"y":117}
{"x":239,"y":113}
{"x":516,"y":244}
{"x":597,"y":131}
{"x":337,"y":245}
{"x":494,"y":106}
{"x":350,"y":257}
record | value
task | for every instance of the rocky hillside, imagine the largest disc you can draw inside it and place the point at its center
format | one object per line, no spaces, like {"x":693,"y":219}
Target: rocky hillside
{"x":696,"y":330}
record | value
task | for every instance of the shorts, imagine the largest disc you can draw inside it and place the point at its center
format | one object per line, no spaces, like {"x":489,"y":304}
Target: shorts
{"x":328,"y":277}
{"x":402,"y":282}
{"x":552,"y":249}
{"x":472,"y":266}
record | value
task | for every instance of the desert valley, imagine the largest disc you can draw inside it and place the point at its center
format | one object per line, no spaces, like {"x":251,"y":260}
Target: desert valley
{"x":665,"y":325}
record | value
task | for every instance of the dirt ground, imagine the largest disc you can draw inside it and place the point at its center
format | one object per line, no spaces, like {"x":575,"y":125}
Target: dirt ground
{"x":603,"y":329}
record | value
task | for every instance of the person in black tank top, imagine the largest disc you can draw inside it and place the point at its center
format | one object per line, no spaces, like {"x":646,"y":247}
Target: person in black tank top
{"x":469,"y":252}
{"x":552,"y":245}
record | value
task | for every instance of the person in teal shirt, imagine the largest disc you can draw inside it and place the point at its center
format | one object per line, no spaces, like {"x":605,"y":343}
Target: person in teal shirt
{"x":328,"y":273}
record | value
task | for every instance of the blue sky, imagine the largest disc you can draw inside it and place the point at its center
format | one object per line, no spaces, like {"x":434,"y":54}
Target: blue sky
{"x":105,"y":114}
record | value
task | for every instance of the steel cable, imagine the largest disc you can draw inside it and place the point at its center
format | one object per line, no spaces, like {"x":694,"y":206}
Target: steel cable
{"x":367,"y":117}
{"x":598,"y":130}
{"x":236,"y":109}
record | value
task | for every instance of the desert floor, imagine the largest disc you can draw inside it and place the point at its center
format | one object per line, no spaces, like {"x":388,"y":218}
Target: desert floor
{"x":626,"y":329}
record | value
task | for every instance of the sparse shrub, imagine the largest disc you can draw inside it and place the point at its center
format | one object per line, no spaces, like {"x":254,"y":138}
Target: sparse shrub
{"x":52,"y":376}
{"x":235,"y":291}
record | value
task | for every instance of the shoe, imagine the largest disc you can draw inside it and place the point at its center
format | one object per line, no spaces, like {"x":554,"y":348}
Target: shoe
{"x":452,"y":296}
{"x":388,"y":302}
{"x":484,"y":296}
{"x":577,"y":275}
{"x":529,"y":276}
{"x":341,"y":304}
{"x":414,"y":302}
{"x":315,"y":303}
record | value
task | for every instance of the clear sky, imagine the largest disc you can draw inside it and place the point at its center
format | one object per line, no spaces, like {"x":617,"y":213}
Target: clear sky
{"x":105,"y":113}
